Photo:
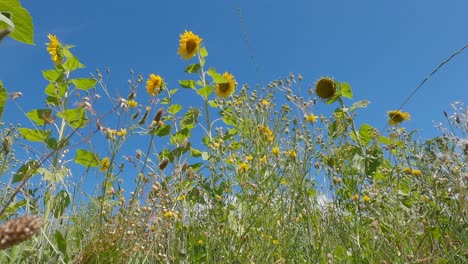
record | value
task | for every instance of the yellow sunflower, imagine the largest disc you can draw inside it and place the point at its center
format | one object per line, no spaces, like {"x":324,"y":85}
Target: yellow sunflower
{"x":225,"y":89}
{"x":189,"y":44}
{"x":54,"y":48}
{"x":396,"y":117}
{"x":325,"y":88}
{"x":154,"y":84}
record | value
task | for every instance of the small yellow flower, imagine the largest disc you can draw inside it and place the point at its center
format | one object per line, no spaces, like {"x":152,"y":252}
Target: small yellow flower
{"x":275,"y":151}
{"x":263,"y":159}
{"x":407,"y":170}
{"x":416,"y":172}
{"x":396,"y":117}
{"x":189,"y":44}
{"x":265,"y":102}
{"x":275,"y":242}
{"x":200,"y":242}
{"x":292,"y":154}
{"x":154,"y":84}
{"x":105,"y":164}
{"x":122,"y":132}
{"x":283,"y":181}
{"x":132,"y":103}
{"x":55,"y":49}
{"x":244,"y":166}
{"x":366,"y":198}
{"x":225,"y":89}
{"x":325,"y":88}
{"x":355,"y":197}
{"x":249,"y":158}
{"x":311,"y":118}
{"x":168,"y":214}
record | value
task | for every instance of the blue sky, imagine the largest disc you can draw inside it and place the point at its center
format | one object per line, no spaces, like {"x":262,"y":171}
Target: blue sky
{"x":382,"y":48}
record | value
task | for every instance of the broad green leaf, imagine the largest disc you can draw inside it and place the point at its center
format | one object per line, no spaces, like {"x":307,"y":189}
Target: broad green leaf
{"x":195,"y":153}
{"x":84,"y":83}
{"x":52,"y":75}
{"x":217,"y":78}
{"x":75,"y":118}
{"x":34,"y":135}
{"x":40,"y":116}
{"x":187,"y":84}
{"x":27,"y":170}
{"x":23,"y":25}
{"x":190,"y":118}
{"x":213,"y":103}
{"x":384,"y":140}
{"x":346,"y":91}
{"x":173,"y":91}
{"x":61,"y":202}
{"x":192,"y":68}
{"x":86,"y":158}
{"x":72,"y":62}
{"x":180,"y":136}
{"x":53,"y":100}
{"x":205,"y":91}
{"x":55,"y":89}
{"x":163,"y":130}
{"x":61,"y":241}
{"x":365,"y":134}
{"x":52,"y":143}
{"x":174,"y":109}
{"x":3,"y":98}
{"x":203,"y":52}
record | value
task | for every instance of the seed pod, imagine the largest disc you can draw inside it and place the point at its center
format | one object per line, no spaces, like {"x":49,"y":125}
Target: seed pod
{"x":18,"y":230}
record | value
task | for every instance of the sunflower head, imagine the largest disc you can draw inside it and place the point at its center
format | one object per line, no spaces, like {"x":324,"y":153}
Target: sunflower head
{"x":225,"y":89}
{"x":154,"y":84}
{"x":55,"y":49}
{"x":396,"y":117}
{"x":189,"y":44}
{"x":325,"y":88}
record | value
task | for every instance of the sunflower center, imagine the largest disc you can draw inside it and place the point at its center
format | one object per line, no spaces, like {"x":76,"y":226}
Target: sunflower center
{"x":224,"y":87}
{"x":191,"y":46}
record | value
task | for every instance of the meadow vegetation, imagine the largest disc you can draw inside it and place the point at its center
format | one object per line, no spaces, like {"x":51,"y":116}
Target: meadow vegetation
{"x":253,"y":175}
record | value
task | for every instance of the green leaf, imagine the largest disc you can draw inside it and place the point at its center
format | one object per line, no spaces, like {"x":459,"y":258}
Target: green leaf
{"x":5,"y":18}
{"x":3,"y":98}
{"x":365,"y":134}
{"x":61,"y":202}
{"x":53,"y":176}
{"x":213,"y":103}
{"x":84,"y":83}
{"x":61,"y":242}
{"x":205,"y":155}
{"x":27,"y":170}
{"x":192,"y":68}
{"x":163,"y":130}
{"x":86,"y":158}
{"x":53,"y":100}
{"x":195,"y":153}
{"x":23,"y":25}
{"x":203,"y":52}
{"x":346,"y":91}
{"x":34,"y":135}
{"x":56,"y":89}
{"x":190,"y":118}
{"x":180,"y":136}
{"x":52,"y":143}
{"x":174,"y":109}
{"x":217,"y":78}
{"x":72,"y":62}
{"x":75,"y":118}
{"x":187,"y":84}
{"x":52,"y":75}
{"x":205,"y":91}
{"x":40,"y":116}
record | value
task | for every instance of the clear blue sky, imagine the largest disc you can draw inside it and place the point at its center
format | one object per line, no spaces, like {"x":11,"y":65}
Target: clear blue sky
{"x":382,"y":48}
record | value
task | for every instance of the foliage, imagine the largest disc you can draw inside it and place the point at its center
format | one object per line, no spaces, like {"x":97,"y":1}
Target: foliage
{"x":256,"y":175}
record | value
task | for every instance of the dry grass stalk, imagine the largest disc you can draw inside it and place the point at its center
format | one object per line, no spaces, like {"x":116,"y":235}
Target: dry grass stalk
{"x":18,"y":230}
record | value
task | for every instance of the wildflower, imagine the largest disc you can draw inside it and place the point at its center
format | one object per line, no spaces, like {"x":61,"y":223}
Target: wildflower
{"x":132,"y":103}
{"x":105,"y":164}
{"x":249,"y":158}
{"x":396,"y":117}
{"x":244,"y":166}
{"x":263,"y":159}
{"x":355,"y":197}
{"x":189,"y":44}
{"x":55,"y":49}
{"x":366,"y":198}
{"x":275,"y":151}
{"x":225,"y":89}
{"x":275,"y":242}
{"x":407,"y":170}
{"x":416,"y":172}
{"x":325,"y":88}
{"x":311,"y":118}
{"x":265,"y":102}
{"x":154,"y":84}
{"x":283,"y":181}
{"x":18,"y":230}
{"x":200,"y":242}
{"x":168,"y":214}
{"x":122,"y":132}
{"x":292,"y":154}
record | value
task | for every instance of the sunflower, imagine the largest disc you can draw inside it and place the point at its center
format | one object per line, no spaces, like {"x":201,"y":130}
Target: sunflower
{"x":325,"y":88}
{"x":54,"y":48}
{"x":105,"y":164}
{"x":154,"y":84}
{"x":225,"y":89}
{"x":397,"y":116}
{"x":189,"y":44}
